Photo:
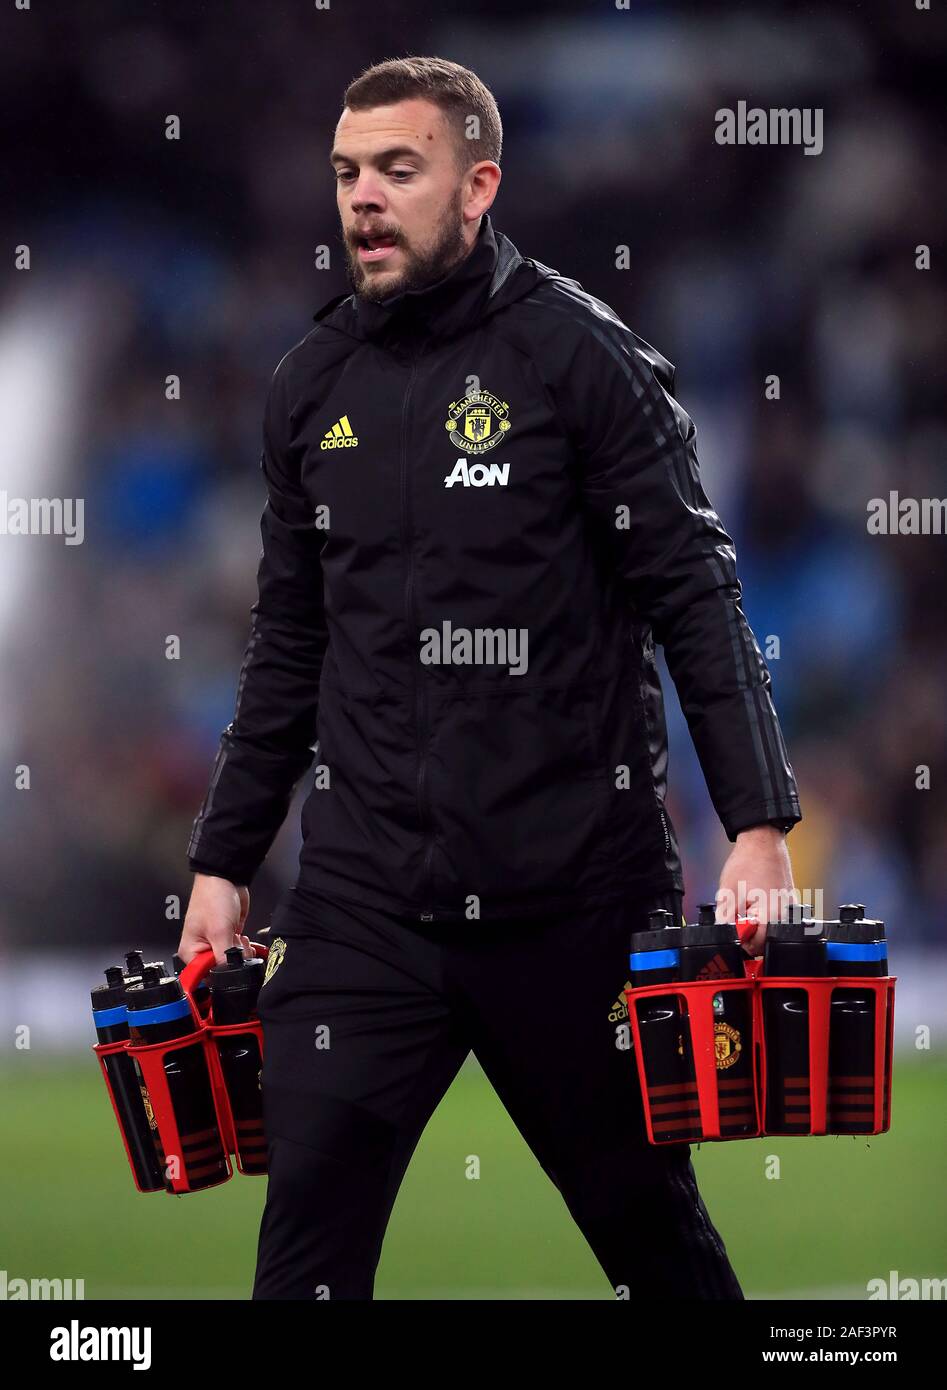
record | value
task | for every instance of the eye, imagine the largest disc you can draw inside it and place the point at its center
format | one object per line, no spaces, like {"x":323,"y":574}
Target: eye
{"x":343,"y":175}
{"x":402,"y":174}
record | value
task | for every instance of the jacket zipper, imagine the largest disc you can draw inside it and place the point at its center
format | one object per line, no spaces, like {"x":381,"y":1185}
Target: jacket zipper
{"x":420,"y":700}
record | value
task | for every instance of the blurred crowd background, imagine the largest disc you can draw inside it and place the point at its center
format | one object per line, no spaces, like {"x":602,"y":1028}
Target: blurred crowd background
{"x":195,"y":257}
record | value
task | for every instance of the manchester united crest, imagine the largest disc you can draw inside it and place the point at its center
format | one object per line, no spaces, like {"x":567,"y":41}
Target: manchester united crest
{"x":727,"y":1045}
{"x":477,"y":422}
{"x":274,"y":958}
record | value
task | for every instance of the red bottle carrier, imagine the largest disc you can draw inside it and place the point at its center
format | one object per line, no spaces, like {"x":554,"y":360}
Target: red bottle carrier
{"x":708,"y":1099}
{"x":150,"y":1057}
{"x":831,"y":1103}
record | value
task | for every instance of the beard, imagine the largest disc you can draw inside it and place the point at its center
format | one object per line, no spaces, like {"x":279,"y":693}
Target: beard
{"x":420,"y":269}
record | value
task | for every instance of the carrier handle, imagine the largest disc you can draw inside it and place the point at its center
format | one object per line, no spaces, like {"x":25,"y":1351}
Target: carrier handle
{"x":202,"y":964}
{"x":747,"y":927}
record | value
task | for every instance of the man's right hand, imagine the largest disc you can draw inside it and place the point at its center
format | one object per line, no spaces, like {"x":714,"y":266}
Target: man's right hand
{"x":215,"y":917}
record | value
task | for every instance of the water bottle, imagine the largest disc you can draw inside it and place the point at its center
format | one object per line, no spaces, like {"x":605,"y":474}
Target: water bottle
{"x":234,"y":987}
{"x":793,"y":947}
{"x":132,"y":1105}
{"x":665,"y":1044}
{"x":855,"y":912}
{"x":711,"y":950}
{"x":158,"y":1011}
{"x":853,"y":946}
{"x":878,"y":936}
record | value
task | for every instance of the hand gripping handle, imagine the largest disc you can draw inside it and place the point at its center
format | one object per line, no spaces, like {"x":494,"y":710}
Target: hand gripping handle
{"x":200,"y":965}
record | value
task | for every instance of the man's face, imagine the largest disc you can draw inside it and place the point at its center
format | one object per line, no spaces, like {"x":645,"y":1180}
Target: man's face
{"x":398,"y":188}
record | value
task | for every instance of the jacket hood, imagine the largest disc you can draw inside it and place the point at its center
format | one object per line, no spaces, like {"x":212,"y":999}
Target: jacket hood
{"x":493,"y":275}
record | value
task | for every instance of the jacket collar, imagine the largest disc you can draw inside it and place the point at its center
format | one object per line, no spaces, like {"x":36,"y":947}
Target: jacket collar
{"x":490,"y":276}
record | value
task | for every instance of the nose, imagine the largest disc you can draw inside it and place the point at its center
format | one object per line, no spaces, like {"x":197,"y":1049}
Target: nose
{"x":367,"y":193}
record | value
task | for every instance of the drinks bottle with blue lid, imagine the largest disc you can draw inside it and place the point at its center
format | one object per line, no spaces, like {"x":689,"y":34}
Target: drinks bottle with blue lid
{"x":655,"y":959}
{"x":132,"y":1105}
{"x":855,"y":912}
{"x":853,"y":946}
{"x":159,"y":1011}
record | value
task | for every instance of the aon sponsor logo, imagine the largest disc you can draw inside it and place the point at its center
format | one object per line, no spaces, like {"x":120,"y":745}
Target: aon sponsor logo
{"x":478,"y":474}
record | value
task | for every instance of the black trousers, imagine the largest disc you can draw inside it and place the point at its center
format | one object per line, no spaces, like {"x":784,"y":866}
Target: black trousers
{"x":366,"y":1021}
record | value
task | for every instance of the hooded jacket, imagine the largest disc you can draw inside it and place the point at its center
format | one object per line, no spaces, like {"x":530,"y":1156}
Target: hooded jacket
{"x":483,"y":510}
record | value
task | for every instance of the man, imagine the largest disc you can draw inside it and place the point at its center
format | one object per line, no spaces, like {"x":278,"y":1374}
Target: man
{"x":483,"y":510}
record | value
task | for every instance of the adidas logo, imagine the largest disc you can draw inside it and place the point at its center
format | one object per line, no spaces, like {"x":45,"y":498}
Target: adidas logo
{"x":341,"y":436}
{"x":619,"y":1009}
{"x":715,"y":969}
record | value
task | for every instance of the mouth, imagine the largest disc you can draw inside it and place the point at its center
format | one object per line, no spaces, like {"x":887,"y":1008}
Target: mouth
{"x":377,"y":248}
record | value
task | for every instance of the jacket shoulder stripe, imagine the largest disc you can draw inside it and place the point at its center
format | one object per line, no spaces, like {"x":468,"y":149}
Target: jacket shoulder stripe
{"x":597,"y":311}
{"x":640,"y":371}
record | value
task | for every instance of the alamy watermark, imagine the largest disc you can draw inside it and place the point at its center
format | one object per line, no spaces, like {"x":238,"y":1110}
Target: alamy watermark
{"x":43,"y":516}
{"x":895,"y":515}
{"x":76,"y":1343}
{"x":904,"y":1289}
{"x":779,"y":125}
{"x":14,"y":1289}
{"x":769,"y":905}
{"x":479,"y":646}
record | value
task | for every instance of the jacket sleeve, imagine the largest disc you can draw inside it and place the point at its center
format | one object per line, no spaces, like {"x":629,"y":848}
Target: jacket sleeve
{"x":640,"y":483}
{"x":269,"y":743}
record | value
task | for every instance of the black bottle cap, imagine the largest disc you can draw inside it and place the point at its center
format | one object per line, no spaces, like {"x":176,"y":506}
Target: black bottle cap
{"x":661,"y":934}
{"x":710,"y":934}
{"x":798,"y":912}
{"x":706,"y":914}
{"x":860,"y":933}
{"x":659,"y":939}
{"x":877,"y":926}
{"x":134,"y":962}
{"x":791,"y":930}
{"x":237,"y":971}
{"x":660,"y":919}
{"x":112,"y":993}
{"x":154,"y":989}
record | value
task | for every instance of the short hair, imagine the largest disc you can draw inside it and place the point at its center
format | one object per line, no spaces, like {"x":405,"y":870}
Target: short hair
{"x":456,"y":90}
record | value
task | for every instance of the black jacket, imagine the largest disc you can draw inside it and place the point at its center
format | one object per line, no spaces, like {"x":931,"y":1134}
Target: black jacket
{"x":498,"y":453}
